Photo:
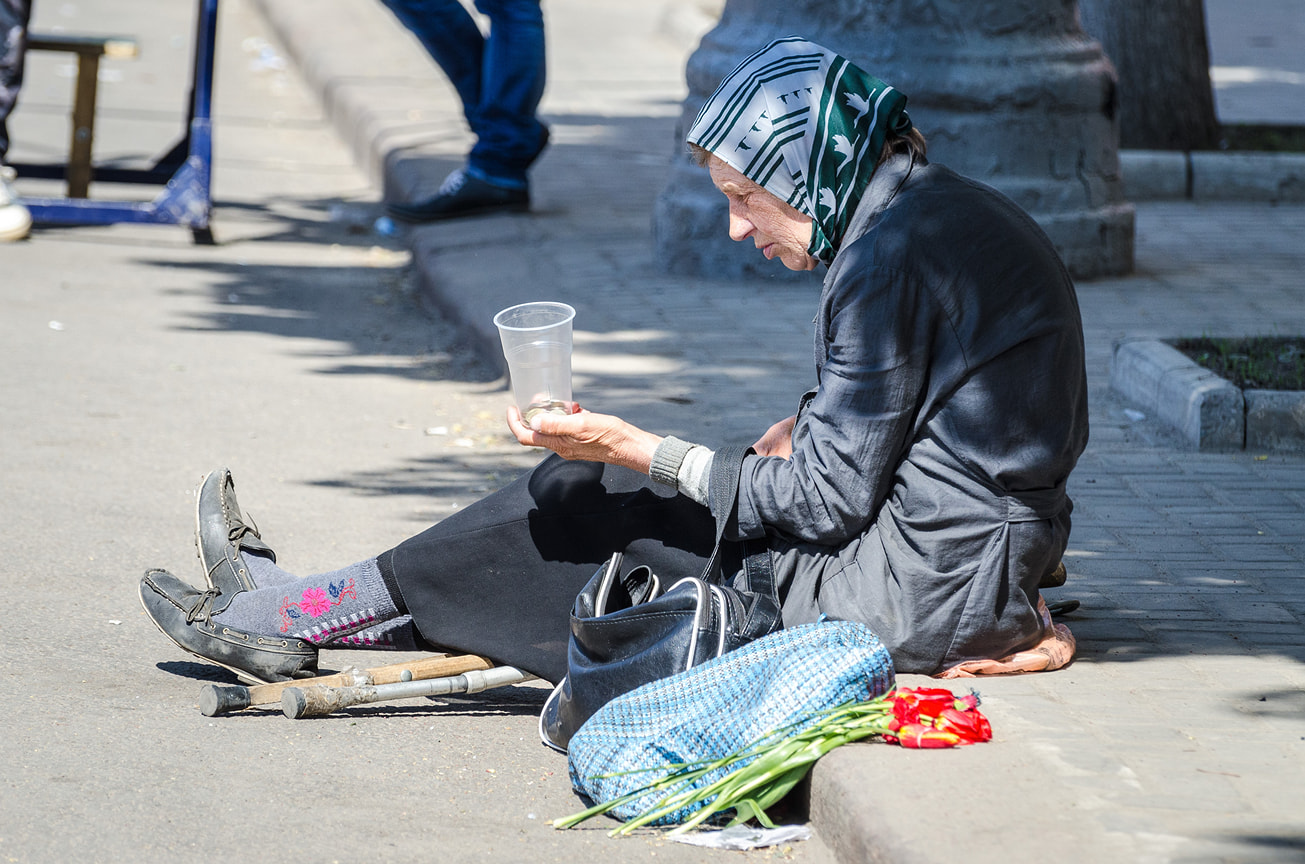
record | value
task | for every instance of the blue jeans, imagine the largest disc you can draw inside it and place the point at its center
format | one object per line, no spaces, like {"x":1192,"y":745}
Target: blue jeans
{"x":14,"y":15}
{"x":500,"y":78}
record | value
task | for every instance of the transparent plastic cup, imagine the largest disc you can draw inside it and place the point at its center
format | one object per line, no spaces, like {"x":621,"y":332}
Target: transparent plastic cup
{"x":537,"y":345}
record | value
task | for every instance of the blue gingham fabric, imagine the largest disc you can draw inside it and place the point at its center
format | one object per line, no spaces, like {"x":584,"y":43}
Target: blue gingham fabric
{"x":723,"y":706}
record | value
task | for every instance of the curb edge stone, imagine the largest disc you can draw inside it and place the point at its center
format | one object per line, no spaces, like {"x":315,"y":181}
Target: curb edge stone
{"x":1207,"y":410}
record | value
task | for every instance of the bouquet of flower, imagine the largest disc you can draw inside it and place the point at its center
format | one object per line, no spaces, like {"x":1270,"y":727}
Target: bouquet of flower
{"x":759,"y":775}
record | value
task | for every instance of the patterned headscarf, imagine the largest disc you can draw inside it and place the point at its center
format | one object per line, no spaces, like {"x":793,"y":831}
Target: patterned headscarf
{"x":807,"y":126}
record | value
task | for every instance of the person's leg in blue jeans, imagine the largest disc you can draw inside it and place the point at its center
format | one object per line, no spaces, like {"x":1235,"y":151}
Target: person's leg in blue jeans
{"x":500,"y":79}
{"x":15,"y":221}
{"x":510,"y":135}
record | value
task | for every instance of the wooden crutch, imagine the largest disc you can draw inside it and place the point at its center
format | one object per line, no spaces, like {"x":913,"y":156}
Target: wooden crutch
{"x":306,"y":699}
{"x":215,"y":700}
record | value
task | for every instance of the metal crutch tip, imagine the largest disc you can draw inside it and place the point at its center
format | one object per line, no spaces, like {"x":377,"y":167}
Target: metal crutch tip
{"x":215,"y":700}
{"x":294,"y":704}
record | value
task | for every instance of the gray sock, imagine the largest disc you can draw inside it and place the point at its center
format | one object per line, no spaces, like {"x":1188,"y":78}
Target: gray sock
{"x":263,"y":570}
{"x":317,"y":608}
{"x":399,"y":634}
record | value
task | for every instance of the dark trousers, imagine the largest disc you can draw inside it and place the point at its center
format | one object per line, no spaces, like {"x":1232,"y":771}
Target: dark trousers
{"x":14,"y":15}
{"x":500,"y":577}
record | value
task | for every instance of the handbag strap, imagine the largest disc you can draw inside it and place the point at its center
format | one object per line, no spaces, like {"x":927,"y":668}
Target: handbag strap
{"x":755,"y":585}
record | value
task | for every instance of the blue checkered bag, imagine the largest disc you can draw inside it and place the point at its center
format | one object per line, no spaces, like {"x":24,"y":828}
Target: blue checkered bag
{"x":722,"y":707}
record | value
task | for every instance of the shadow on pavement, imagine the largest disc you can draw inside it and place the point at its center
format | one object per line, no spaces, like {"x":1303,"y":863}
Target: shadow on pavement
{"x":370,"y":310}
{"x":438,"y":477}
{"x":1282,"y":848}
{"x":330,"y":221}
{"x":198,"y":671}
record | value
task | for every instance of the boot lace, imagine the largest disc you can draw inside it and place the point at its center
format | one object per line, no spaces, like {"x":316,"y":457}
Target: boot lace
{"x":201,"y":610}
{"x":240,"y":529}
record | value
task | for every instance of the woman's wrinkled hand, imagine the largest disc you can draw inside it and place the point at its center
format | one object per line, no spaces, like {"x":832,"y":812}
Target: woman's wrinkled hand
{"x":585,"y":435}
{"x":778,"y":440}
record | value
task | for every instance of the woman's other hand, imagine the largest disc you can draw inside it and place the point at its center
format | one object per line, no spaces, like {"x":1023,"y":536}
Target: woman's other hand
{"x":585,"y":435}
{"x":778,"y":440}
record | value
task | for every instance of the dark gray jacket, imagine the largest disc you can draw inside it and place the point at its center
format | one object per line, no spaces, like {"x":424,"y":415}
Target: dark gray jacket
{"x":926,"y":491}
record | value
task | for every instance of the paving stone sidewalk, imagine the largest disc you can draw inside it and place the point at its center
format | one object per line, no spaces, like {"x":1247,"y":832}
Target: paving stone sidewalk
{"x":1179,"y":733}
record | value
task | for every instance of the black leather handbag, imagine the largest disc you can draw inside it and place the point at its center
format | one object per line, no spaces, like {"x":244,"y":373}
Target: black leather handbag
{"x":628,"y":629}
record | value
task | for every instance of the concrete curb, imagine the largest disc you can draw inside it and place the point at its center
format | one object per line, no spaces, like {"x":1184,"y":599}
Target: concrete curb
{"x":1275,"y":420}
{"x":362,"y":96}
{"x":1210,"y":412}
{"x":1206,"y":409}
{"x":1161,"y":175}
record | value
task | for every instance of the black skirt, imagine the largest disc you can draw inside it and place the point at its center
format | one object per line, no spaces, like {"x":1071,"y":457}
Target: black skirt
{"x":499,"y":578}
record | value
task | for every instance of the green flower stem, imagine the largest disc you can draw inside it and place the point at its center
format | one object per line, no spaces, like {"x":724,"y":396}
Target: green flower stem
{"x":765,"y":771}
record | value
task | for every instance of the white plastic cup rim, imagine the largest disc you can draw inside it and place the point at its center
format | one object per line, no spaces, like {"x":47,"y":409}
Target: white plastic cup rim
{"x":562,"y":314}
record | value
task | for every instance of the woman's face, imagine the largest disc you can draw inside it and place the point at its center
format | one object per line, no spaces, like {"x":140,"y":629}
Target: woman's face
{"x":777,"y":229}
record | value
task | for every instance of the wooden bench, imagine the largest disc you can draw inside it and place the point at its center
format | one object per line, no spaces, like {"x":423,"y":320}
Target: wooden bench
{"x":89,"y":50}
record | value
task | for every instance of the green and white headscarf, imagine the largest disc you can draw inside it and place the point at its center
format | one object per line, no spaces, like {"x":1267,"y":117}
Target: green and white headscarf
{"x":807,"y":126}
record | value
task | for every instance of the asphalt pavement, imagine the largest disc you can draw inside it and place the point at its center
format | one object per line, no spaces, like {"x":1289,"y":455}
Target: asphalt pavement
{"x":299,"y":352}
{"x":302,"y":351}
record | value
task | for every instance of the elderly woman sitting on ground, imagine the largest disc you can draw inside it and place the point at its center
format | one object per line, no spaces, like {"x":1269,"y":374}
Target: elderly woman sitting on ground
{"x":919,"y":489}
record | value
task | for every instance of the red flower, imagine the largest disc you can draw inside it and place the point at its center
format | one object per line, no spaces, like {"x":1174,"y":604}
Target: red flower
{"x":929,"y":717}
{"x":920,"y":736}
{"x":970,"y":727}
{"x":968,"y":702}
{"x":913,"y":704}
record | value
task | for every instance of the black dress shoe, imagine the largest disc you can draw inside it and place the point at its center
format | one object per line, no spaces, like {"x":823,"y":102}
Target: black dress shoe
{"x":220,"y":533}
{"x":463,"y":195}
{"x":184,"y":615}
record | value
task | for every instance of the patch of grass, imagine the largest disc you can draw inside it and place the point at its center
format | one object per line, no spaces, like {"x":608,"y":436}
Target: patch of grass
{"x":1264,"y":137}
{"x":1253,"y":363}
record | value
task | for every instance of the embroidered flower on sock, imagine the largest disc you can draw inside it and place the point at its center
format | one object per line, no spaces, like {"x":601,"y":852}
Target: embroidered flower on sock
{"x":315,"y":602}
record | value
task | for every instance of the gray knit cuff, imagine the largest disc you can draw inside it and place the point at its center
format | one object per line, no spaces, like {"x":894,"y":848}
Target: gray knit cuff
{"x":667,"y":459}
